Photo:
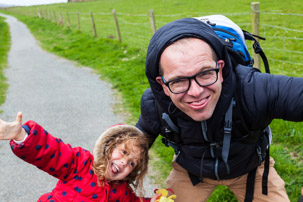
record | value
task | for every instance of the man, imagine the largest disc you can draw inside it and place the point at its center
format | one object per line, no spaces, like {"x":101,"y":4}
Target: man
{"x":197,"y":97}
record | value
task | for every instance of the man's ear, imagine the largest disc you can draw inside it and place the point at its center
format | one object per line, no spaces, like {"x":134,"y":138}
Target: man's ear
{"x":221,"y":64}
{"x":165,"y":88}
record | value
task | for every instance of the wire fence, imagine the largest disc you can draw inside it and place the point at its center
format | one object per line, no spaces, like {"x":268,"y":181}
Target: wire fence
{"x":284,"y":40}
{"x":283,"y":31}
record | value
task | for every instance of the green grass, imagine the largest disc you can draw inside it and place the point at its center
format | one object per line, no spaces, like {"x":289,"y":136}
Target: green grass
{"x":4,"y":48}
{"x":285,"y":158}
{"x":123,"y":63}
{"x":134,"y":20}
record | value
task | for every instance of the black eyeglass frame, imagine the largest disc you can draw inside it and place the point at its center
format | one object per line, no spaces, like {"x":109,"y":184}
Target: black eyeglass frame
{"x":192,"y":77}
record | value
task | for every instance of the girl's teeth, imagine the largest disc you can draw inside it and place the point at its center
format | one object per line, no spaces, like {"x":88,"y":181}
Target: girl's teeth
{"x":117,"y":168}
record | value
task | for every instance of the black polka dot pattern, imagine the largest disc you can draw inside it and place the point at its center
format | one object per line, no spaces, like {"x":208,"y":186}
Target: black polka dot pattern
{"x":72,"y":166}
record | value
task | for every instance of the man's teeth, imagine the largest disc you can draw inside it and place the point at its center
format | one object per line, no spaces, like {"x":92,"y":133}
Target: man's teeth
{"x":199,"y":101}
{"x":117,"y":168}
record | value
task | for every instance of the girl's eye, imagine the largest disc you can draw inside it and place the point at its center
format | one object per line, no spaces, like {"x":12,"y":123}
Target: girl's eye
{"x":132,"y":164}
{"x":124,"y":152}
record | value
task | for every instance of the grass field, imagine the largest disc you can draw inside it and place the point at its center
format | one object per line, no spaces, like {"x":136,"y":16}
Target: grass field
{"x":4,"y":47}
{"x":123,"y":63}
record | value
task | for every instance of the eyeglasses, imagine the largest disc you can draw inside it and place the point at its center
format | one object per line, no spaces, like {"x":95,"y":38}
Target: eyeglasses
{"x":204,"y":78}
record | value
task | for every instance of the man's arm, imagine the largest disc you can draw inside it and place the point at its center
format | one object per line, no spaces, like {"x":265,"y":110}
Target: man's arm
{"x":264,"y":97}
{"x":149,"y":120}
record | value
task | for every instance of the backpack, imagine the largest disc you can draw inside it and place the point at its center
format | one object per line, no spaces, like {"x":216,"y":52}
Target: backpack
{"x":235,"y":37}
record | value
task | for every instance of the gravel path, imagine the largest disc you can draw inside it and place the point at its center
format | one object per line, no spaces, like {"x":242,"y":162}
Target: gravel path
{"x":69,"y":101}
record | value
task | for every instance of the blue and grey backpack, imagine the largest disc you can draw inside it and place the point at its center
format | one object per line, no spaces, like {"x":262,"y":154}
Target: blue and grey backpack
{"x":235,"y":37}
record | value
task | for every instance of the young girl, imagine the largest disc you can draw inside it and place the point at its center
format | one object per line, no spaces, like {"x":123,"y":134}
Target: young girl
{"x":119,"y":160}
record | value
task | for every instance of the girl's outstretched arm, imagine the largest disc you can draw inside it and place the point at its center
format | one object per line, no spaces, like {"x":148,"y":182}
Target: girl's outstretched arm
{"x":12,"y":130}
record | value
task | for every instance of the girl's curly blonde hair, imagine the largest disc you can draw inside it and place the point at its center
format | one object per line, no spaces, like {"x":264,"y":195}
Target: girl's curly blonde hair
{"x":130,"y":136}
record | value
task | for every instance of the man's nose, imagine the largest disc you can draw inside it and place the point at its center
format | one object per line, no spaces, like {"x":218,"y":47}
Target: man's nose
{"x":195,"y":89}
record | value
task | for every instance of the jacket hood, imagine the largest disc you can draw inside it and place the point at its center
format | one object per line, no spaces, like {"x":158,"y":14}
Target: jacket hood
{"x":107,"y":136}
{"x":171,"y":32}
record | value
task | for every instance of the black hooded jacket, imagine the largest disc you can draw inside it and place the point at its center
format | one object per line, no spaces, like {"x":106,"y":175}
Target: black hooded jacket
{"x":259,"y":98}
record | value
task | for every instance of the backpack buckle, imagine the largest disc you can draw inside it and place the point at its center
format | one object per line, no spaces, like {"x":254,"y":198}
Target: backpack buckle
{"x":214,"y":149}
{"x":257,"y":47}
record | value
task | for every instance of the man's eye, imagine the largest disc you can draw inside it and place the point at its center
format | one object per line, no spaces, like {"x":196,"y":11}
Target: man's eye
{"x":206,"y":74}
{"x":178,"y":82}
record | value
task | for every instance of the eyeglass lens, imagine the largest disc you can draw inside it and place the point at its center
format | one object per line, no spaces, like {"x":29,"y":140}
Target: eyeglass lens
{"x":204,"y":78}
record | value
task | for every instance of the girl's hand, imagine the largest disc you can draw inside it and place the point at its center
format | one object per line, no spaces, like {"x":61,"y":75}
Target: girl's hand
{"x":12,"y":130}
{"x":155,"y":197}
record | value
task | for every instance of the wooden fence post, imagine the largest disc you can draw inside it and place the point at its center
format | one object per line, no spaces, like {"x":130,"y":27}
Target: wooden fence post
{"x":38,"y":13}
{"x":78,"y":19}
{"x":152,"y":20}
{"x":93,"y":23}
{"x":67,"y":19}
{"x":255,"y":29}
{"x":60,"y":22}
{"x":46,"y":14}
{"x":117,"y":25}
{"x":55,"y":17}
{"x":50,"y":15}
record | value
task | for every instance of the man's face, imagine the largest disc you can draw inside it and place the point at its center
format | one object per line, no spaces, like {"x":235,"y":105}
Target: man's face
{"x":122,"y":162}
{"x":187,"y":60}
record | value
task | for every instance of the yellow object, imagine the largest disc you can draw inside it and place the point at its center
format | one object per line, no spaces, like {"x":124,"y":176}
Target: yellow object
{"x":164,"y":195}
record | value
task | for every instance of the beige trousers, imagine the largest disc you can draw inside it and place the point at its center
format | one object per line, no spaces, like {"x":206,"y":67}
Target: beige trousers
{"x":180,"y":183}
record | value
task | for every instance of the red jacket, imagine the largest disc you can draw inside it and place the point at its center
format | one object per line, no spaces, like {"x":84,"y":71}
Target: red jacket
{"x":72,"y":166}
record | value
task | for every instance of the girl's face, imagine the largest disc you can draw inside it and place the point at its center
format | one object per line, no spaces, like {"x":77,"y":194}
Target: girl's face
{"x":122,"y":162}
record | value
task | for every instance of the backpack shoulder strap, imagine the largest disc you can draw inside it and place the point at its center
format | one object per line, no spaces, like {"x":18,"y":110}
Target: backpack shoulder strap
{"x":171,"y":124}
{"x":169,"y":130}
{"x":257,"y":48}
{"x":227,"y":133}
